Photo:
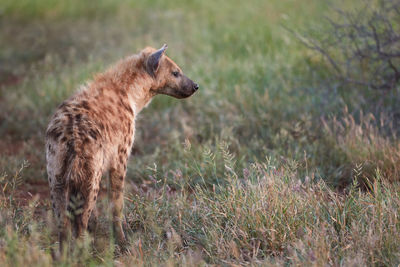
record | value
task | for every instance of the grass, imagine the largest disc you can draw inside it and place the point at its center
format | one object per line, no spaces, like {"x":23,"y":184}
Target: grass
{"x":266,"y":165}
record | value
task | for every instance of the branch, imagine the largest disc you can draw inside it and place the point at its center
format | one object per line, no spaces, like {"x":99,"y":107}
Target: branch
{"x":314,"y":46}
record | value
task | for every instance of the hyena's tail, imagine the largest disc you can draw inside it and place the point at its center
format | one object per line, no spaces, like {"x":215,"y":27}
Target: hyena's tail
{"x":77,"y":194}
{"x":76,"y":204}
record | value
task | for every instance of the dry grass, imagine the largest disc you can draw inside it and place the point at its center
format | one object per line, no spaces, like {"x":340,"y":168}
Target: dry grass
{"x":263,"y":215}
{"x":364,"y":147}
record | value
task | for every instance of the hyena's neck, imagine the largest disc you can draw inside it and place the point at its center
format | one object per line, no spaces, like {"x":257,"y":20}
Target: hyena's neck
{"x":128,"y":80}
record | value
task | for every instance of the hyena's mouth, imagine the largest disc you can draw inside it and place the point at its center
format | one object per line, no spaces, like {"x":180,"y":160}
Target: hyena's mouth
{"x":188,"y":92}
{"x":192,"y":89}
{"x":181,"y":95}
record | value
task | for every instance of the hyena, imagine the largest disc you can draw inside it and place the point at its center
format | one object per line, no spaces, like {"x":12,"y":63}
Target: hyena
{"x":92,"y":133}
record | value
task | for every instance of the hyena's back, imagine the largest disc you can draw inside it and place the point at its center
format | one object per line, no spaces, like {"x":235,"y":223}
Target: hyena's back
{"x":74,"y":164}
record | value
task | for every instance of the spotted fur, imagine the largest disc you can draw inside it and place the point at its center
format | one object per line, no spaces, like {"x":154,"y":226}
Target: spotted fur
{"x":92,"y":133}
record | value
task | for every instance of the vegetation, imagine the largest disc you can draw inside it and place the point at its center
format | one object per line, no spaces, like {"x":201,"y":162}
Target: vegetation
{"x":362,"y":45}
{"x":271,"y":162}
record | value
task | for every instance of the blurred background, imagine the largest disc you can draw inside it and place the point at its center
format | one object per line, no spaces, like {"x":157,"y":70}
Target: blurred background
{"x":310,"y":85}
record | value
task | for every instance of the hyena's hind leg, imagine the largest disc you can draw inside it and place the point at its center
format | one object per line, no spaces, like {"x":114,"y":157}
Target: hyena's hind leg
{"x":58,"y":193}
{"x":59,"y":198}
{"x":117,"y":177}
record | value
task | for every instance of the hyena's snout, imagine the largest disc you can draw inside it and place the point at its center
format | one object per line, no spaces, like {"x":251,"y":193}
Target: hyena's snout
{"x":189,"y":87}
{"x":195,"y":86}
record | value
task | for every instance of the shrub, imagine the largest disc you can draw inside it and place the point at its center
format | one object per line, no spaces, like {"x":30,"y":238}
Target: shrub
{"x":362,"y":45}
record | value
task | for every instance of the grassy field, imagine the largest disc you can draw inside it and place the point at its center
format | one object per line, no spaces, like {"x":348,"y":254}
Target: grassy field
{"x":268,"y":164}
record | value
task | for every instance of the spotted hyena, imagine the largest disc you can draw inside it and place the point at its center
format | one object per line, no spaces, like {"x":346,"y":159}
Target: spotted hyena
{"x":92,"y":132}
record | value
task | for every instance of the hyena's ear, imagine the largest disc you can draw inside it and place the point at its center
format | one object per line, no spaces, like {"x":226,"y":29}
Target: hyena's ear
{"x":153,"y":61}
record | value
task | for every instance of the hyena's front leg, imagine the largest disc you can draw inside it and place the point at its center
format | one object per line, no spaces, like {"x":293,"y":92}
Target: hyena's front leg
{"x":117,"y":177}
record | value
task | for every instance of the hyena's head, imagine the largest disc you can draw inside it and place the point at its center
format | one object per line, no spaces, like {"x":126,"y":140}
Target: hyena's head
{"x":169,"y":78}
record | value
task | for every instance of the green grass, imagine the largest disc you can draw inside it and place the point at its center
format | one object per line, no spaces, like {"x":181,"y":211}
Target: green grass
{"x":268,"y":164}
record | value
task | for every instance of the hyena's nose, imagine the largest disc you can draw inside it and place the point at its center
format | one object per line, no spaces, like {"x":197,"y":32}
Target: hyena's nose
{"x":195,"y":86}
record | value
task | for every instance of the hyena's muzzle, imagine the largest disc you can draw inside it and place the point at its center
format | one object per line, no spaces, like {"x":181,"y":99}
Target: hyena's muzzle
{"x":184,"y":88}
{"x":187,"y":88}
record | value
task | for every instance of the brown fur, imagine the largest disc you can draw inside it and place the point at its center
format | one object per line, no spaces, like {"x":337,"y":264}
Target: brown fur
{"x":92,"y":132}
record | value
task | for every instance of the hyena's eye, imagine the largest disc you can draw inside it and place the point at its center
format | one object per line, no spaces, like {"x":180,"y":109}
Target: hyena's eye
{"x":175,"y":73}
